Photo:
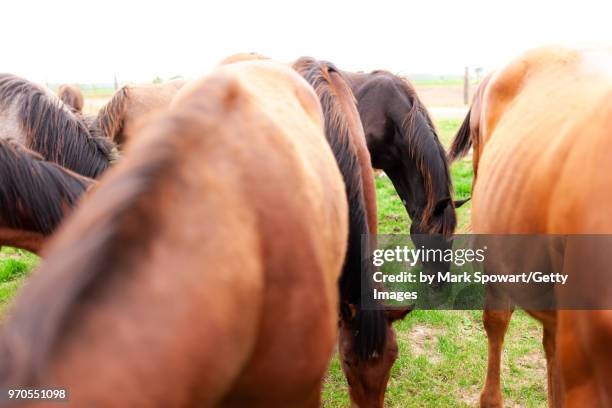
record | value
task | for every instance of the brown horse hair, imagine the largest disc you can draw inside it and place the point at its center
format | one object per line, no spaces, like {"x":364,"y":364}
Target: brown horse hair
{"x":72,"y":97}
{"x":54,"y":131}
{"x":462,"y":142}
{"x":111,"y":116}
{"x":111,"y":248}
{"x":33,"y":192}
{"x":369,"y":323}
{"x":417,"y":126}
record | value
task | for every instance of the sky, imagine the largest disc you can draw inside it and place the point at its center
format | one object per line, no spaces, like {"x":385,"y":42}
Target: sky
{"x":91,"y":42}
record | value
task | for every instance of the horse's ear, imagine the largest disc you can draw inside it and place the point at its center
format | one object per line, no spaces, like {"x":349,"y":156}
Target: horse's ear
{"x":348,"y":311}
{"x":396,"y":314}
{"x":441,"y":205}
{"x":459,"y":203}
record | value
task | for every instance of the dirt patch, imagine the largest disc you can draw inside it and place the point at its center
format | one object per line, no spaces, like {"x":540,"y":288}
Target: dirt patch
{"x":534,"y":361}
{"x":423,"y":341}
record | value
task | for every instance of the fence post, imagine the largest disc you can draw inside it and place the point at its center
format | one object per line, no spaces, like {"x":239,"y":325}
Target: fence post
{"x":466,"y":87}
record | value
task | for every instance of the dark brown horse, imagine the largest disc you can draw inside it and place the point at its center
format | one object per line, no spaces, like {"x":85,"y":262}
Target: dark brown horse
{"x":368,"y":347}
{"x":403,"y":142}
{"x":36,"y":118}
{"x":34,"y":196}
{"x":540,"y":128}
{"x":118,"y":119}
{"x":72,"y":96}
{"x":203,"y":269}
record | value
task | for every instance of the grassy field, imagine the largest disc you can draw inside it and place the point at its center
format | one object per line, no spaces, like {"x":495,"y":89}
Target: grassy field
{"x":442,"y":354}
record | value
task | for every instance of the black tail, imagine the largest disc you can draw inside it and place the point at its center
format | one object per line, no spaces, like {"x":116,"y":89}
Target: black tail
{"x":33,"y":191}
{"x":369,"y":324}
{"x":463,"y":141}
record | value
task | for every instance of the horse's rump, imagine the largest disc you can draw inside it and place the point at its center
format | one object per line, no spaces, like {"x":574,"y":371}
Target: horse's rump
{"x":253,"y":265}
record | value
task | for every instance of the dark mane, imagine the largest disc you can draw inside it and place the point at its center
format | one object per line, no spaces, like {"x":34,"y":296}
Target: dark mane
{"x":52,"y":130}
{"x":111,"y":116}
{"x":114,"y":230}
{"x":430,"y":157}
{"x":33,"y":191}
{"x":369,"y":324}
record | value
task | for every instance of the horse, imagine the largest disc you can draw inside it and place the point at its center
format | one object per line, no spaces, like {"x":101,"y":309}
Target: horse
{"x":203,"y":269}
{"x":72,"y":96}
{"x":402,"y":141}
{"x":367,"y":343}
{"x":540,"y":130}
{"x":36,"y":118}
{"x":35,"y":196}
{"x":118,"y":119}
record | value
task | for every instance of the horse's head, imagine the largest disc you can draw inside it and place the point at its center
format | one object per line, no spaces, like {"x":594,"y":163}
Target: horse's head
{"x":403,"y":142}
{"x":367,"y":376}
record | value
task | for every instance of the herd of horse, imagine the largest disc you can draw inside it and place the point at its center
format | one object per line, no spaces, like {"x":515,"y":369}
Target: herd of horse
{"x":202,"y":240}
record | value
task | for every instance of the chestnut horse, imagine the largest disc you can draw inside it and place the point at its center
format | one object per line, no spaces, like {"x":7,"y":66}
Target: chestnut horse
{"x":368,"y":346}
{"x":118,"y":119}
{"x":403,"y":142}
{"x":72,"y":96}
{"x":203,"y":270}
{"x":34,"y":196}
{"x":35,"y":117}
{"x":540,"y":128}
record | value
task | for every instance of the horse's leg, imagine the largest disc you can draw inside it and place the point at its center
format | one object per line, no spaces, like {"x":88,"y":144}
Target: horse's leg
{"x":583,"y":343}
{"x":496,"y":324}
{"x":549,"y":340}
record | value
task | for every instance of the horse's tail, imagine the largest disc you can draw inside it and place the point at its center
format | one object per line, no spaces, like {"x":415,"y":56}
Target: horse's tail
{"x":111,"y":116}
{"x":368,"y":322}
{"x":463,"y":140}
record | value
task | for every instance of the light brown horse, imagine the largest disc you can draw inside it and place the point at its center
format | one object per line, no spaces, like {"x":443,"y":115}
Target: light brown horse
{"x":35,"y":196}
{"x":72,"y":96}
{"x":203,"y":269}
{"x":541,"y":128}
{"x":367,"y":343}
{"x":118,"y":119}
{"x":36,"y":118}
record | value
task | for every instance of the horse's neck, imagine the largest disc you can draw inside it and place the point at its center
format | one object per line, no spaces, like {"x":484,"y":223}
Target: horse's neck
{"x":29,"y":240}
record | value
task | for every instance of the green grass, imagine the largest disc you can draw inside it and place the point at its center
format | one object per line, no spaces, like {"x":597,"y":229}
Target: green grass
{"x":442,"y":358}
{"x":15,"y":264}
{"x":443,"y":354}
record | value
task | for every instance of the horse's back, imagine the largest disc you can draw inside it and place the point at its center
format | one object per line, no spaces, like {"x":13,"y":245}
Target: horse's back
{"x":546,"y":122}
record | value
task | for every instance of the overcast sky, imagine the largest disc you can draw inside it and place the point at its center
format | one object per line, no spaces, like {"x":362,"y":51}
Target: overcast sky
{"x":85,"y":42}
